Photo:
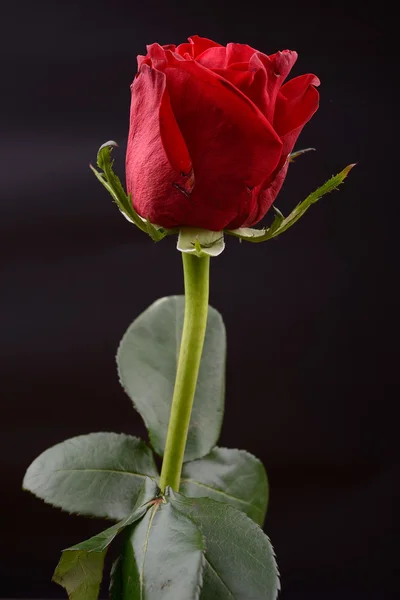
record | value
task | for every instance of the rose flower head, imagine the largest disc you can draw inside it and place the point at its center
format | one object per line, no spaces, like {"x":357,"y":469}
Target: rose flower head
{"x":211,"y":130}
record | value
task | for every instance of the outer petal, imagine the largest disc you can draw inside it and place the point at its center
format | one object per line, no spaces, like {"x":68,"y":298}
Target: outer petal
{"x":157,"y":56}
{"x":232,"y":146}
{"x":266,"y":196}
{"x":295,"y":105}
{"x":292,"y":112}
{"x":156,"y":155}
{"x":277,"y":67}
{"x":142,"y":59}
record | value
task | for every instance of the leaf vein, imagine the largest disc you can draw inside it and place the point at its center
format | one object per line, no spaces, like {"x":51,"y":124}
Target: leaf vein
{"x":222,"y":493}
{"x":115,"y":471}
{"x":145,"y":545}
{"x":219,"y":577}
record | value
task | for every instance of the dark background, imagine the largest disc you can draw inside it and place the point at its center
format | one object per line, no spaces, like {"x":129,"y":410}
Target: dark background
{"x":311,"y":317}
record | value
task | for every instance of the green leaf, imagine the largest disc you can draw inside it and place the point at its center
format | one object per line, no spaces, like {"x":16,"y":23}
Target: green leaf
{"x":99,"y":474}
{"x":80,"y":573}
{"x":147,"y":361}
{"x":240,"y":561}
{"x":163,"y":559}
{"x":116,"y":582}
{"x":278,"y":227}
{"x":80,"y":569}
{"x":235,"y":477}
{"x":200,"y":241}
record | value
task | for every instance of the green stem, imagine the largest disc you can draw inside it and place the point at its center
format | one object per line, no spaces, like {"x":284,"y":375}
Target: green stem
{"x":196,"y":274}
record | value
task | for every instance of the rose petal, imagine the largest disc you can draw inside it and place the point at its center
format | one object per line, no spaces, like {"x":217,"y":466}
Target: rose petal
{"x":222,"y":57}
{"x":266,"y":196}
{"x":211,"y":112}
{"x":213,"y":58}
{"x":232,"y":146}
{"x":156,"y":154}
{"x":294,"y":110}
{"x":240,"y":79}
{"x":157,"y":55}
{"x":253,"y":85}
{"x":140,"y":59}
{"x":259,"y":79}
{"x":196,"y":46}
{"x":171,"y":47}
{"x":296,"y":103}
{"x":238,"y":53}
{"x":239,"y":66}
{"x":276,"y":68}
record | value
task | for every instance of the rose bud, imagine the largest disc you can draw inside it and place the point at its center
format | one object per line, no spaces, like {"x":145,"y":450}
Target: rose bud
{"x":211,"y":130}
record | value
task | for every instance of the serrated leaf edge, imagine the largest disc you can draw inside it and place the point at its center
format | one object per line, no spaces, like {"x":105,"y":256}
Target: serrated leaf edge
{"x":280,"y":226}
{"x":87,"y":513}
{"x":240,"y":500}
{"x":169,"y":492}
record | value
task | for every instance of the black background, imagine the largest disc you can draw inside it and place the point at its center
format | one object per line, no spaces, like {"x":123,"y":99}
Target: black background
{"x":310,"y":317}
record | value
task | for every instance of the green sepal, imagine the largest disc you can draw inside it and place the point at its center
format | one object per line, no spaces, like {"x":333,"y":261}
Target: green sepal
{"x":200,"y":241}
{"x":113,"y":185}
{"x":294,"y":155}
{"x":80,"y":569}
{"x":280,"y":223}
{"x":235,"y":477}
{"x":157,"y":233}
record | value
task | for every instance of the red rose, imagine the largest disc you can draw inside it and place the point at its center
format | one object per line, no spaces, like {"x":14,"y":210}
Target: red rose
{"x":211,"y":128}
